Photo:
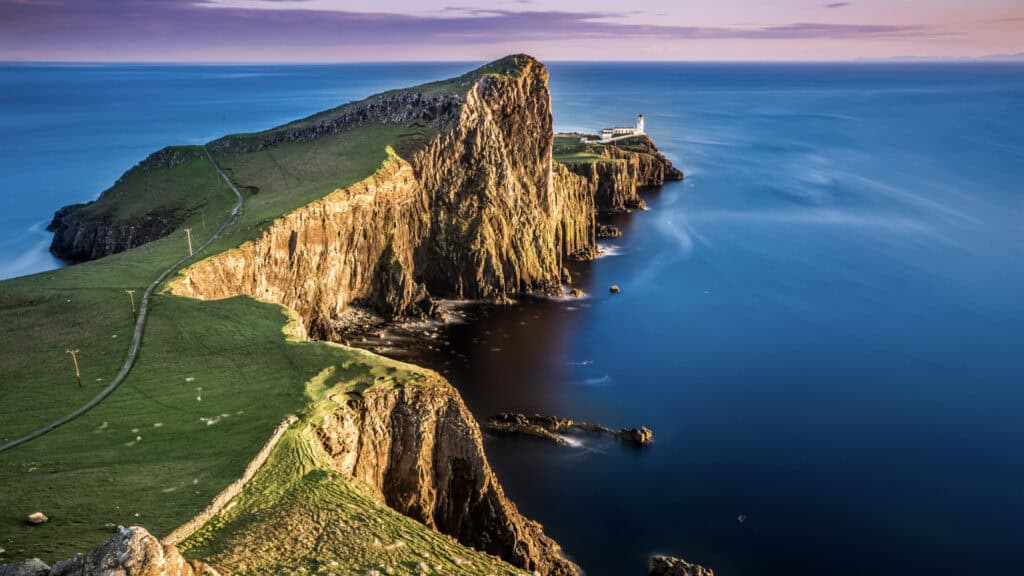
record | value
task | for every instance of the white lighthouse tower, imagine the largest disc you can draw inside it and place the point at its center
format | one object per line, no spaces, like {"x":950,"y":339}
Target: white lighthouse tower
{"x":640,"y":124}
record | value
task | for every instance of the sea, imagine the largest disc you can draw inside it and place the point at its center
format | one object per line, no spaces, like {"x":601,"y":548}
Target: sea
{"x":823,"y":324}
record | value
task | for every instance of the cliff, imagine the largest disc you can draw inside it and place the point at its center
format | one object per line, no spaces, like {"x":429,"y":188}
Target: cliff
{"x":474,"y":211}
{"x":384,"y":468}
{"x":614,"y":173}
{"x":422,"y":449}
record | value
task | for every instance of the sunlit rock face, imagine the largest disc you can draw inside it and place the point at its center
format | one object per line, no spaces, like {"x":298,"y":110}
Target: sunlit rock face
{"x":420,"y":446}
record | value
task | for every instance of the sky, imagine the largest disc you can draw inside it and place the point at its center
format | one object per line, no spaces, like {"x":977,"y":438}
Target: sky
{"x":474,"y":30}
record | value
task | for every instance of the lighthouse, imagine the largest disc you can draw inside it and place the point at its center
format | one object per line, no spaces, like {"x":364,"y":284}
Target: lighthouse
{"x":639,"y":123}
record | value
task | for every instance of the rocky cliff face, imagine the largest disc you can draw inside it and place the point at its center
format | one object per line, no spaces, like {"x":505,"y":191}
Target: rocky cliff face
{"x":422,"y":448}
{"x":130,"y":552}
{"x":79,"y":237}
{"x":475,"y":213}
{"x":629,"y":166}
{"x":355,"y":244}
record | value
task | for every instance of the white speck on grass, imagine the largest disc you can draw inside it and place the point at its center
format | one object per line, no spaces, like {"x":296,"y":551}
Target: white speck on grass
{"x":195,"y":481}
{"x":199,"y":398}
{"x":191,"y":379}
{"x":158,"y":424}
{"x":114,"y":336}
{"x":135,"y":430}
{"x":101,"y":426}
{"x":210,"y":421}
{"x":169,"y":490}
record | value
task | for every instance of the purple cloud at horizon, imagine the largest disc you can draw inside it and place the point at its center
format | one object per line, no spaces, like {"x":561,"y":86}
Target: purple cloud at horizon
{"x":205,"y":29}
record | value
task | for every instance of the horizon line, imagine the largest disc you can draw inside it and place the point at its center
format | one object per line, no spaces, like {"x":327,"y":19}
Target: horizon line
{"x":858,"y":60}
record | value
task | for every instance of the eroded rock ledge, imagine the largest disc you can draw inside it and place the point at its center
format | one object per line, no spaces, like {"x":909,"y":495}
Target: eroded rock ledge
{"x":549,"y":427}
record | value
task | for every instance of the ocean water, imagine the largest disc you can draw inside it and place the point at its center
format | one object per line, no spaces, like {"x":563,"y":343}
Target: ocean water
{"x":822,"y":324}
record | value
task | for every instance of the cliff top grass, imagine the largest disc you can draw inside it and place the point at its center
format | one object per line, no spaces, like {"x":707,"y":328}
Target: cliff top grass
{"x":569,"y":149}
{"x":457,"y":86}
{"x":297,"y":516}
{"x":213,"y":378}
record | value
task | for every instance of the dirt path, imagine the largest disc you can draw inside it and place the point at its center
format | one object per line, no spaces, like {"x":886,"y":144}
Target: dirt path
{"x":140,"y":323}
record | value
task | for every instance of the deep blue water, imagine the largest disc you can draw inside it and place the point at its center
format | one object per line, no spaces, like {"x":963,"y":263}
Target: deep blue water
{"x":822,"y":324}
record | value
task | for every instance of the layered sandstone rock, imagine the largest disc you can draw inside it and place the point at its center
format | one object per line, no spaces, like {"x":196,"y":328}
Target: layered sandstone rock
{"x":422,"y":449}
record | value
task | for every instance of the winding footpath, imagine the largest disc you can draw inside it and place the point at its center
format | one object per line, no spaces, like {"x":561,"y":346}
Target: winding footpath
{"x":140,"y":323}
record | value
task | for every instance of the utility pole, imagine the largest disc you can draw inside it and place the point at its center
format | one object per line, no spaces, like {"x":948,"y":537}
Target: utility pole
{"x":131,"y":297}
{"x":188,"y":232}
{"x":74,"y":358}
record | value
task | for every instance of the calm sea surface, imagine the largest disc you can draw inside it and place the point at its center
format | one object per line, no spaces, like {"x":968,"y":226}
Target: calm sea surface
{"x":823,"y":324}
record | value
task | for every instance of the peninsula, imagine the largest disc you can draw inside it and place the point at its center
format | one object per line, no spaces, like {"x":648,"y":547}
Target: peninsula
{"x":244,"y":437}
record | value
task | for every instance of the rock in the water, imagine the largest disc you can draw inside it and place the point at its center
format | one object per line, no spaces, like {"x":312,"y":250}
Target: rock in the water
{"x":131,"y":552}
{"x":605,"y":231}
{"x":641,"y":436}
{"x":669,"y":566}
{"x":614,"y":289}
{"x":576,"y":293}
{"x":36,"y":518}
{"x":33,"y":567}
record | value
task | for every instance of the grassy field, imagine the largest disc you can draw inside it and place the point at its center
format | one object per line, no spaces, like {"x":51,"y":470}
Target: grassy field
{"x":319,"y":521}
{"x":212,"y":380}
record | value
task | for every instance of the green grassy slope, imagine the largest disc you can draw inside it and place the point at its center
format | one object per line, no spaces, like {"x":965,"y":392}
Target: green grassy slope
{"x":156,"y":451}
{"x":319,"y":521}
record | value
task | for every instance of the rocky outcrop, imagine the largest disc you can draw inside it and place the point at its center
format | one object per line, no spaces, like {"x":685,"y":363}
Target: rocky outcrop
{"x":549,"y":427}
{"x":83,"y":232}
{"x":477,"y":212}
{"x":79,"y":236}
{"x":422,"y":449}
{"x":669,"y":566}
{"x":130,"y":552}
{"x":621,"y":170}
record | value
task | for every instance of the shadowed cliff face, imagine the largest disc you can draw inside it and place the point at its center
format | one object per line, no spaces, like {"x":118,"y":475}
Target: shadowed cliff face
{"x":420,"y":446}
{"x":83,"y":232}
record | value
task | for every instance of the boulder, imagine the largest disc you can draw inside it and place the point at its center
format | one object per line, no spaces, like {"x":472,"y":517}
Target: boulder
{"x":131,"y":552}
{"x":614,"y":289}
{"x":36,"y":518}
{"x":641,"y":436}
{"x":33,"y":567}
{"x":669,"y":566}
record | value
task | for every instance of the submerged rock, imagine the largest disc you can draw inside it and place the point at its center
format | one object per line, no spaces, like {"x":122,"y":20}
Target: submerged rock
{"x":614,"y":289}
{"x":669,"y":566}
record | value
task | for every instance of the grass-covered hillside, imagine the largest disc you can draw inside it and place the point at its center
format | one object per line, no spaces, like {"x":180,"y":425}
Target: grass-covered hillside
{"x":318,"y":521}
{"x":213,"y":378}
